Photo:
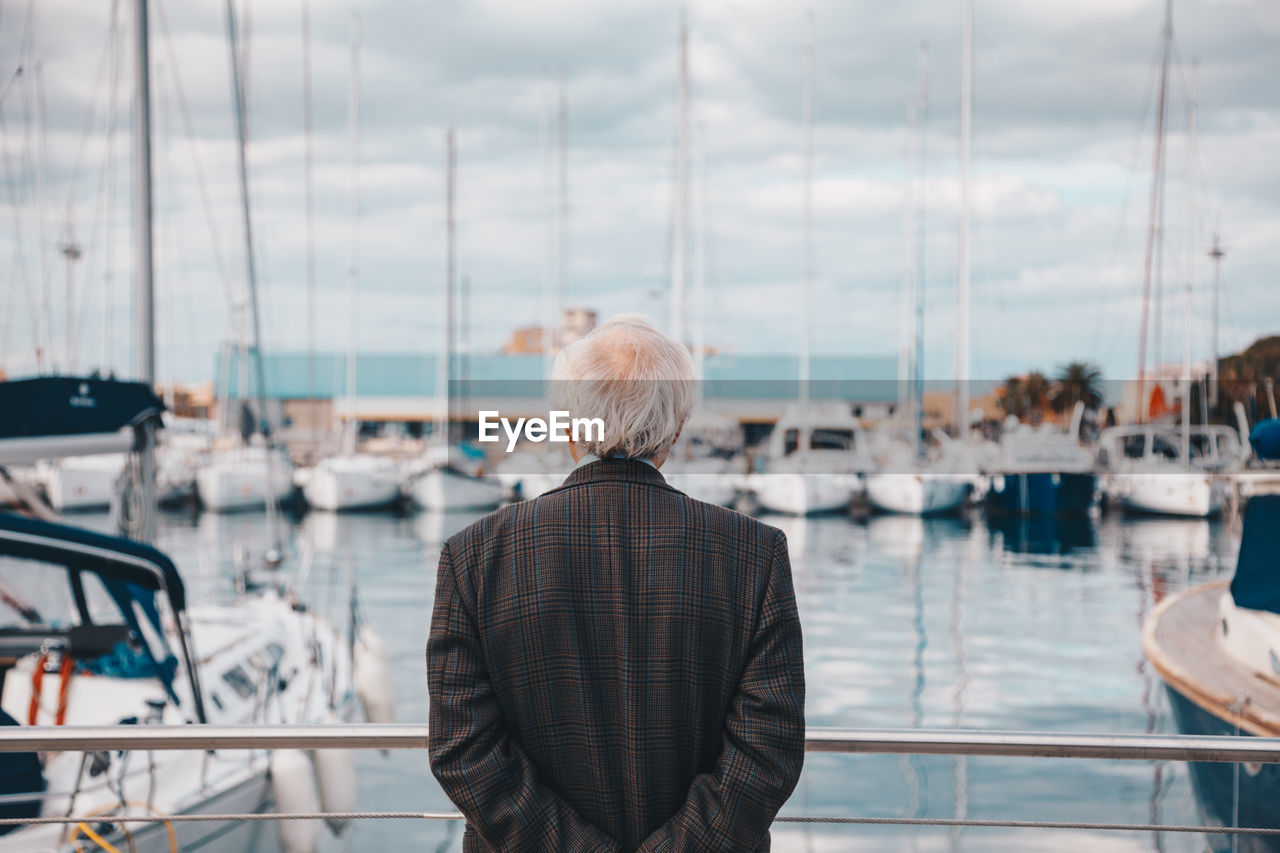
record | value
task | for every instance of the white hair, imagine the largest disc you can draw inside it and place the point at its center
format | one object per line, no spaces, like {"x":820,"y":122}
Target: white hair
{"x":634,"y":378}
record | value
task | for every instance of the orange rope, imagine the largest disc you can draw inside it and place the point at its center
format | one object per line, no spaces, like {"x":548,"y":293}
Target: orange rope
{"x":65,"y":669}
{"x":64,"y":690}
{"x":37,"y":683}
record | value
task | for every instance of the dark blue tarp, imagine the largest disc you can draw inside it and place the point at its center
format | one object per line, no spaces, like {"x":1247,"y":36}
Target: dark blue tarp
{"x":1257,"y":581}
{"x":20,"y":773}
{"x":71,"y":405}
{"x":57,"y":543}
{"x":1265,"y":439}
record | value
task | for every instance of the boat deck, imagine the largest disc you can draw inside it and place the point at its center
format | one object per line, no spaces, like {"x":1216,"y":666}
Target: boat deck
{"x":1179,"y":641}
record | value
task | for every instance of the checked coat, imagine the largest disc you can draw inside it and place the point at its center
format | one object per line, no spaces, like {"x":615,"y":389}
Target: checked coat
{"x":616,"y":666}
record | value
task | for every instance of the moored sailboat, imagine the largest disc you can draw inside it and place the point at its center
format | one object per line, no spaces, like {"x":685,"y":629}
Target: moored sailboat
{"x":1217,"y":648}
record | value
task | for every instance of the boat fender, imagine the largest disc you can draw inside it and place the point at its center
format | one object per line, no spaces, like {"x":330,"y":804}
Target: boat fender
{"x":373,"y":677}
{"x":293,"y":783}
{"x":336,"y":781}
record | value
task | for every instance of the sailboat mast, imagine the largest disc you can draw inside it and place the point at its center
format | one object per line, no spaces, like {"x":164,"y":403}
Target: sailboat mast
{"x":1190,"y":271}
{"x":237,"y":94}
{"x":921,"y":250}
{"x":264,"y":424}
{"x":353,"y":234}
{"x":1216,"y":253}
{"x":546,"y":312}
{"x":308,"y":159}
{"x":44,"y":348}
{"x":679,"y":250}
{"x":803,"y":438}
{"x":962,"y":251}
{"x":699,"y":338}
{"x":1153,"y":210}
{"x":144,"y":270}
{"x":443,"y":370}
{"x":562,"y":224}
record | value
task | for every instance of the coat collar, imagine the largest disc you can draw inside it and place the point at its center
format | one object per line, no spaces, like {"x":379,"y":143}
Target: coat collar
{"x":630,"y":470}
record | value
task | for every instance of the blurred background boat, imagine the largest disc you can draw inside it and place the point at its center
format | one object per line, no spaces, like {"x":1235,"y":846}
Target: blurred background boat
{"x":1042,"y":470}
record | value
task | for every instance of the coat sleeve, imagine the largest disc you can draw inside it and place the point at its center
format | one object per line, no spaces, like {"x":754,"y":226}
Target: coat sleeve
{"x":482,"y":769}
{"x":762,"y":749}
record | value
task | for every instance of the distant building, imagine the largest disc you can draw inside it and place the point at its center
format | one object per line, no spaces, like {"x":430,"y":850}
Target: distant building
{"x":526,"y":340}
{"x":575,"y":324}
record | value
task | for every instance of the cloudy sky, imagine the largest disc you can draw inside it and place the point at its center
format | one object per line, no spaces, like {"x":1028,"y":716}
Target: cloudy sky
{"x":1062,"y":145}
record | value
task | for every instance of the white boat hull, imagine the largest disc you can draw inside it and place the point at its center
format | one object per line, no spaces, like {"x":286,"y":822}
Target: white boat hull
{"x":1189,"y":494}
{"x":916,"y":494}
{"x":719,"y":489}
{"x":82,"y":483}
{"x":443,"y":489}
{"x":236,"y":484}
{"x":803,"y":494}
{"x":335,"y":486}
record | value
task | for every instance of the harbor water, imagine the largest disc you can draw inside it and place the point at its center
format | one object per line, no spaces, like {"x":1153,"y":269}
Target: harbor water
{"x":968,"y":622}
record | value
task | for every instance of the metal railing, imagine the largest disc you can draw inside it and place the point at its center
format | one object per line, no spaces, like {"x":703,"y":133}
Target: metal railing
{"x":953,"y":742}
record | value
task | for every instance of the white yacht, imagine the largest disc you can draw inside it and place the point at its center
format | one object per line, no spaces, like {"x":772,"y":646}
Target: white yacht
{"x":821,"y":476}
{"x":355,"y":481}
{"x":98,"y":631}
{"x":1144,"y":471}
{"x":448,"y":489}
{"x":907,"y":484}
{"x":246,"y":477}
{"x":81,"y":482}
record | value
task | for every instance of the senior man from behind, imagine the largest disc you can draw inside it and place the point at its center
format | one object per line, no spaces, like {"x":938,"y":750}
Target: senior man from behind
{"x":614,"y":665}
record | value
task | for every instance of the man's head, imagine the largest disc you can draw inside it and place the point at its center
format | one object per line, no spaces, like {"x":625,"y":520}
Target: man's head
{"x":637,"y":380}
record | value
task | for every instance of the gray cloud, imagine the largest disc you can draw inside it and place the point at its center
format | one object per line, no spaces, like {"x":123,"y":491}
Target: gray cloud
{"x":1060,"y":168}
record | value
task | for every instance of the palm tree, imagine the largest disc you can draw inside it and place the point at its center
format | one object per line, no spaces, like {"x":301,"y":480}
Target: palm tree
{"x":1078,"y":381}
{"x":1013,"y":400}
{"x":1037,"y":387}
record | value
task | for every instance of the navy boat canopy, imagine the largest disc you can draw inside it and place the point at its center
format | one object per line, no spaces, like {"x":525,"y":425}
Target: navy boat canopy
{"x":73,"y":405}
{"x":1257,"y":581}
{"x":121,"y":563}
{"x":111,"y":557}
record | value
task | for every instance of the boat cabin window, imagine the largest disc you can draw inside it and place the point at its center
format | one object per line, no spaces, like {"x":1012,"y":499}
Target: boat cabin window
{"x":238,"y":681}
{"x":1164,"y":447}
{"x":1202,"y":446}
{"x":1134,"y":446}
{"x":819,"y":439}
{"x":39,"y":594}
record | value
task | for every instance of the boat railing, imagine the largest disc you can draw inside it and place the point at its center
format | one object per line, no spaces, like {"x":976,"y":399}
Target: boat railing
{"x":1247,"y":750}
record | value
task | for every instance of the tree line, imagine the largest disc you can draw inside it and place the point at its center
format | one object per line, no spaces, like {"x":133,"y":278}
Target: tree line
{"x":1033,"y":395}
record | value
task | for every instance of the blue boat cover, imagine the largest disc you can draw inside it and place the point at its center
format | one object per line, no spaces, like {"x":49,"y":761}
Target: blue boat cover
{"x":72,"y":405}
{"x":137,"y":564}
{"x":1257,"y":581}
{"x":1265,"y":439}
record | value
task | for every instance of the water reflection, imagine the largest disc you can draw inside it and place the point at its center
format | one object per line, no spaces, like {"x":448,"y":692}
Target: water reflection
{"x":1046,"y":535}
{"x":907,"y":622}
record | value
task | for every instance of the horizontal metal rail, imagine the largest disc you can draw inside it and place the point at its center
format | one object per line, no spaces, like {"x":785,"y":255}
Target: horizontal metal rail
{"x":866,"y":741}
{"x":856,"y":821}
{"x":875,"y":741}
